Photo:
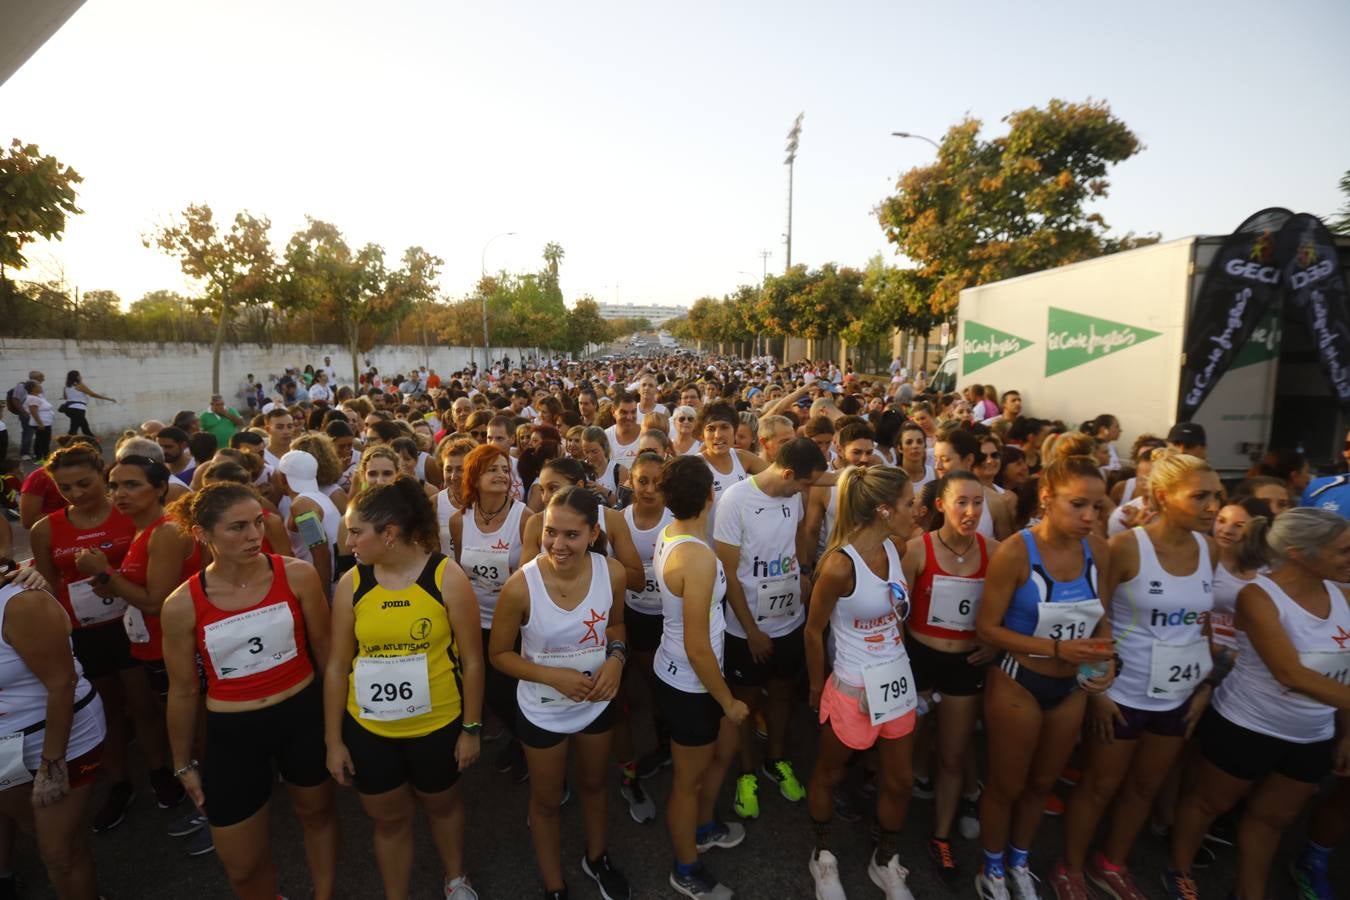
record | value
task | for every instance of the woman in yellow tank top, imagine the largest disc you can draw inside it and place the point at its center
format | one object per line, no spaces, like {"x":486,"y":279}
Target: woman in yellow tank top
{"x":402,"y":696}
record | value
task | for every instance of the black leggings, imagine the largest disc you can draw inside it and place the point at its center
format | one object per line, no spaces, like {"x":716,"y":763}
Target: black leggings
{"x":78,"y":422}
{"x":499,"y":690}
{"x":42,"y":441}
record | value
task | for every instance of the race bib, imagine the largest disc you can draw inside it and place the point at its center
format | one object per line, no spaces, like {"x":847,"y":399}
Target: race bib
{"x":648,"y":600}
{"x":889,"y":689}
{"x":133,"y":620}
{"x":778,"y":598}
{"x":587,"y":662}
{"x":1067,"y":621}
{"x":89,"y":607}
{"x":487,"y":569}
{"x":250,"y":642}
{"x":954,"y":602}
{"x":392,"y":687}
{"x":12,"y":770}
{"x":1175,"y":670}
{"x":1335,"y":664}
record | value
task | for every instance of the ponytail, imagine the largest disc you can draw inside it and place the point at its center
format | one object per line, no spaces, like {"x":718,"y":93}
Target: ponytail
{"x":861,"y":492}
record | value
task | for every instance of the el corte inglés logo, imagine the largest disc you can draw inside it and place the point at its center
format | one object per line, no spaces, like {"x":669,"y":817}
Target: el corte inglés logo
{"x":982,"y":346}
{"x":1073,"y":339}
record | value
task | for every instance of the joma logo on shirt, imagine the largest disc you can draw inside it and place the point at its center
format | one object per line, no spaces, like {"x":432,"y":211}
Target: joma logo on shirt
{"x":395,"y":604}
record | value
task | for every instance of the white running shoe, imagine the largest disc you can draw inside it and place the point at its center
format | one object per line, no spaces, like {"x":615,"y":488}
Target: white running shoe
{"x":825,"y":872}
{"x":890,"y":877}
{"x":1022,"y":884}
{"x":990,"y":887}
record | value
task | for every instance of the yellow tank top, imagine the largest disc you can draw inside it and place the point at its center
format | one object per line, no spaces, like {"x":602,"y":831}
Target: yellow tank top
{"x":405,"y":678}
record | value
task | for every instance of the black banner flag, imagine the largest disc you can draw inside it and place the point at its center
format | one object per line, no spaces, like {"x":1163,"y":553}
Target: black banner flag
{"x":1312,"y":276}
{"x":1242,"y":281}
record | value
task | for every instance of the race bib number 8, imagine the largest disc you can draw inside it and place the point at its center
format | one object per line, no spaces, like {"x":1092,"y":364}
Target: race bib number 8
{"x":89,"y":607}
{"x":392,"y":687}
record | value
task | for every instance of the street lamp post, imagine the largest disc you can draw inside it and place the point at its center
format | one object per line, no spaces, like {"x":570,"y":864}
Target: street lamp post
{"x":793,"y":137}
{"x":482,"y":276}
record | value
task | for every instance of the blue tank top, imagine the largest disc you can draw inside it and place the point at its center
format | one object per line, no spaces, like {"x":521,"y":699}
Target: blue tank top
{"x":1023,"y":612}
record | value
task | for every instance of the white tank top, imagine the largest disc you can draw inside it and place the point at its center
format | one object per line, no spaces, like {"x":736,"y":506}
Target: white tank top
{"x":1251,"y":697}
{"x":1226,"y":587}
{"x":23,"y":705}
{"x":863,"y":623}
{"x":420,"y":467}
{"x":624,"y":454}
{"x":566,"y":638}
{"x":694,"y":449}
{"x":1158,"y":621}
{"x":76,"y":397}
{"x":331,"y":518}
{"x":1127,"y":492}
{"x":722,"y":482}
{"x":445,"y":508}
{"x":831,"y":513}
{"x":489,"y":559}
{"x":986,"y":526}
{"x":671,"y":663}
{"x":648,"y":601}
{"x":606,"y":478}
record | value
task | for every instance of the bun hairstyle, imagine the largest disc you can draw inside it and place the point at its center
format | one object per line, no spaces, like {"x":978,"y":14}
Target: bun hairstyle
{"x":403,"y":504}
{"x":686,"y":484}
{"x":1305,"y":529}
{"x":861,"y":492}
{"x":1169,"y":470}
{"x":954,"y":478}
{"x":76,"y":455}
{"x":581,"y":501}
{"x":1065,"y":469}
{"x":204,"y":508}
{"x":1073,"y":443}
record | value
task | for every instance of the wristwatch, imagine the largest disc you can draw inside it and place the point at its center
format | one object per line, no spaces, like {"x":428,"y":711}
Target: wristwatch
{"x":472,"y":728}
{"x":106,"y":575}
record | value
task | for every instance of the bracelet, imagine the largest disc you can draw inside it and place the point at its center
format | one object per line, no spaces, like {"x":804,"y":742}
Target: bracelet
{"x":471,"y":728}
{"x":191,"y":765}
{"x":619,"y":649}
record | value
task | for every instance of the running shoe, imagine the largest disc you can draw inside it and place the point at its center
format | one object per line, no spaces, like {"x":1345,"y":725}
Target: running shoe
{"x":1204,"y":854}
{"x":1068,"y":885}
{"x":459,"y":889}
{"x":825,"y":873}
{"x":641,"y":807}
{"x":968,"y":818}
{"x":556,"y":895}
{"x":890,"y":877}
{"x":1312,"y":884}
{"x":192,"y":823}
{"x":700,"y":885}
{"x":1053,"y":805}
{"x":781,"y":774}
{"x":746,"y":804}
{"x":114,"y":809}
{"x":1222,"y":831}
{"x":991,"y":887}
{"x":923,"y":788}
{"x":1115,"y":882}
{"x":653,"y":761}
{"x":724,"y":834}
{"x":610,"y":881}
{"x":1022,"y":884}
{"x":168,"y":790}
{"x":944,"y":864}
{"x":199,"y":843}
{"x":1177,"y":886}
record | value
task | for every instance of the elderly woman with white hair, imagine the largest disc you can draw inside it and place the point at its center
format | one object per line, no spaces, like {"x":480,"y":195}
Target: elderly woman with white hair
{"x":682,"y":422}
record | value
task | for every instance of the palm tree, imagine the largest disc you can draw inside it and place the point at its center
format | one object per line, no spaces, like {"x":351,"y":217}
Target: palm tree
{"x":553,"y":254}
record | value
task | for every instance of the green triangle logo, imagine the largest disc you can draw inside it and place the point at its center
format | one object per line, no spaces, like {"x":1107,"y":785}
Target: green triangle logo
{"x":982,"y":346}
{"x":1073,"y":339}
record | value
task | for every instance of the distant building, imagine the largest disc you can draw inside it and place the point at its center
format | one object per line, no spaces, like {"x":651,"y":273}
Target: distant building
{"x":654,"y":314}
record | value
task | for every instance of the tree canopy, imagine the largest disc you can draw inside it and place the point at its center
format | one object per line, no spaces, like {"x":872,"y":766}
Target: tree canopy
{"x":37,"y":193}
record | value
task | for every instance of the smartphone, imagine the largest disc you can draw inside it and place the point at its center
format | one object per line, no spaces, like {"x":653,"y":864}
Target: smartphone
{"x":311,"y":529}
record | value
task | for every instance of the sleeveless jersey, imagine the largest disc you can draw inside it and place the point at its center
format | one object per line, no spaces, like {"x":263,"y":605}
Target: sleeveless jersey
{"x":945,"y":605}
{"x":720,"y":481}
{"x":986,"y":526}
{"x":1158,"y":621}
{"x":864,"y":623}
{"x":1251,"y":697}
{"x":565,"y":638}
{"x":648,"y":600}
{"x":1058,"y":610}
{"x":1226,"y":587}
{"x":671,"y":663}
{"x":331,"y":517}
{"x":254,"y":652}
{"x":622,"y":453}
{"x":75,"y":590}
{"x":405,"y":678}
{"x":445,"y":508}
{"x":489,"y":559}
{"x":143,"y":631}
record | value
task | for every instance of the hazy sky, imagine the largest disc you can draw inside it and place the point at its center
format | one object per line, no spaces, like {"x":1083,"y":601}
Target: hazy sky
{"x":647,"y":138}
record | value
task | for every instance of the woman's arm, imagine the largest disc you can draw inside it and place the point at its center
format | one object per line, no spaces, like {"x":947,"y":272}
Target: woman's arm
{"x":38,"y":629}
{"x":610,"y":673}
{"x":625,"y":551}
{"x":529,"y":541}
{"x":304,"y":581}
{"x":834,"y":579}
{"x":1256,"y":615}
{"x":461,"y":607}
{"x":40,"y":540}
{"x":168,"y":550}
{"x":456,"y":527}
{"x":341,"y":651}
{"x":178,"y":620}
{"x":698,"y":573}
{"x":275,"y":531}
{"x":93,"y":393}
{"x":512,"y":608}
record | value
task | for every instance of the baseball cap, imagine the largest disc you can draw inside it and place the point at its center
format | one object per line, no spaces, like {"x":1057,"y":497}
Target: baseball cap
{"x":1189,"y":434}
{"x":824,"y":385}
{"x":301,"y":471}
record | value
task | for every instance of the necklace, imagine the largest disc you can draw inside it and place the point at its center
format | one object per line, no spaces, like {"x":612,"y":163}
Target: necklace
{"x":488,"y":517}
{"x":960,"y":557}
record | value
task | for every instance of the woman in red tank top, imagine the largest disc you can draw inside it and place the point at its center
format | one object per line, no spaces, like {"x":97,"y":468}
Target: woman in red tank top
{"x":89,"y":525}
{"x":948,"y":578}
{"x":275,"y":540}
{"x":260,"y":626}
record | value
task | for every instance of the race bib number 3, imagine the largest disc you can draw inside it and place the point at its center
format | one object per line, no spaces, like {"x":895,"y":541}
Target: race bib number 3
{"x":89,"y":607}
{"x":954,"y":602}
{"x":1175,"y":670}
{"x":889,"y":688}
{"x":777,"y":598}
{"x":251,"y":642}
{"x":392,"y":687}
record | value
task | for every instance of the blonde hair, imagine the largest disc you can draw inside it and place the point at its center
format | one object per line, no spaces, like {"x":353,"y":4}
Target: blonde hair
{"x":1074,"y":443}
{"x":861,"y":491}
{"x":377,"y":451}
{"x":1170,"y":468}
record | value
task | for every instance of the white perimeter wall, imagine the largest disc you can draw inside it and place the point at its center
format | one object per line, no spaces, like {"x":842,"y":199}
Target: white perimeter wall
{"x":154,"y":381}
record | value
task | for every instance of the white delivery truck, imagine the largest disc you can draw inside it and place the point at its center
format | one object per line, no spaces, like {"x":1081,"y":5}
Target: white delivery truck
{"x":1107,"y":336}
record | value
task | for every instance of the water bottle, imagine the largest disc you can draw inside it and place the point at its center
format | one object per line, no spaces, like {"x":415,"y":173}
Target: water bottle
{"x":1089,"y":670}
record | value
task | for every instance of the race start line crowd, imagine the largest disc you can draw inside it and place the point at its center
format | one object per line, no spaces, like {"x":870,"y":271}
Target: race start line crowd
{"x":357,"y":585}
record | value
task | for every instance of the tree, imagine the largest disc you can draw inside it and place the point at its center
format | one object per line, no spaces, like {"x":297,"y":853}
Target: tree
{"x":237,"y":268}
{"x":585,"y":326}
{"x":100,"y":309}
{"x":990,"y":209}
{"x":1340,"y":222}
{"x":36,"y":194}
{"x":553,"y":256}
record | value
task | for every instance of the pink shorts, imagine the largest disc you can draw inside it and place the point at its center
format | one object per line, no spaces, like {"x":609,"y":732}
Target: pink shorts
{"x":850,"y":723}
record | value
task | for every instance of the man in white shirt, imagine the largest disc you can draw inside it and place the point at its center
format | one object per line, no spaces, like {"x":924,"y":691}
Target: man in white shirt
{"x":328,"y":369}
{"x":624,"y":433}
{"x":647,"y":398}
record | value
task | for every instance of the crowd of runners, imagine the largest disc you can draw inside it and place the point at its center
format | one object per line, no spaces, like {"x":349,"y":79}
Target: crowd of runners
{"x":360,"y":585}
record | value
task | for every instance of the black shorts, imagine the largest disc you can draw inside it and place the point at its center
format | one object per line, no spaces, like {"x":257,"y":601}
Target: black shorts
{"x":693,"y":719}
{"x":1250,"y":755}
{"x":102,"y":649}
{"x":158,"y":674}
{"x":531,"y":735}
{"x":1162,"y":722}
{"x":950,"y":674}
{"x":788,"y":660}
{"x":385,"y":763}
{"x":644,"y":630}
{"x":243,"y":747}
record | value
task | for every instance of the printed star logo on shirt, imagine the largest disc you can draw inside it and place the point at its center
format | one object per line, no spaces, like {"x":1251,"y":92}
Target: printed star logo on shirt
{"x":502,"y":544}
{"x":592,"y":633}
{"x":1341,"y":637}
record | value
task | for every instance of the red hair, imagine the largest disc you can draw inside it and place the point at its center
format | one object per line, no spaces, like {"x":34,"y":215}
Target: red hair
{"x":475,"y":464}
